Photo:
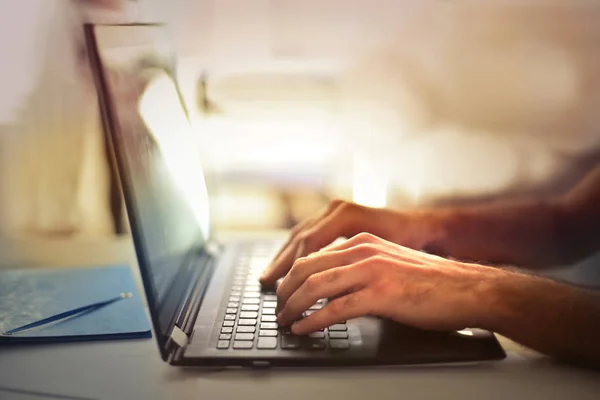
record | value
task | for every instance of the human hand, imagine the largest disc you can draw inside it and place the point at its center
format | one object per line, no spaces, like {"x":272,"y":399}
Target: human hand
{"x":343,"y":219}
{"x":367,"y":275}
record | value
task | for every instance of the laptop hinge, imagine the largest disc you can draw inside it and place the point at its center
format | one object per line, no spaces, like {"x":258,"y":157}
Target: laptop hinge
{"x":213,"y":248}
{"x":179,"y":337}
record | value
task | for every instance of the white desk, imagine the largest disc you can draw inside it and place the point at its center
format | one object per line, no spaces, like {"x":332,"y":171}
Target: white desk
{"x":132,"y":369}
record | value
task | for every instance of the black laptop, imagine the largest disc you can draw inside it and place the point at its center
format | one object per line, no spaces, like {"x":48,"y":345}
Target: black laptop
{"x":205,"y":301}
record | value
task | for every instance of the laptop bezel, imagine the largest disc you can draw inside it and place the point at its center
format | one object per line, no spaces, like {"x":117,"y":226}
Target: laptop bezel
{"x":173,"y":338}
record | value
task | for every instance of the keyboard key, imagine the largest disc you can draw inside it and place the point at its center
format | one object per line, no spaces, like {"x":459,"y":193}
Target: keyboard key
{"x":316,"y":306}
{"x":339,"y":344}
{"x":318,"y":335}
{"x":338,"y":327}
{"x":242,"y":344}
{"x":236,"y":294}
{"x":228,"y":323}
{"x":246,"y":329}
{"x":233,"y":304}
{"x":226,"y":329}
{"x":268,"y":311}
{"x":244,"y":336}
{"x":236,"y":288}
{"x":268,"y":318}
{"x":307,"y":313}
{"x":247,"y":322}
{"x":338,"y":335}
{"x":230,"y":317}
{"x":285,"y":330}
{"x":225,"y":336}
{"x":253,"y":288}
{"x":268,"y":325}
{"x":248,"y":314}
{"x":223,"y":344}
{"x":315,"y":344}
{"x":270,"y":297}
{"x":250,"y":307}
{"x":266,"y":343}
{"x":270,"y":304}
{"x":290,"y":342}
{"x":231,"y":311}
{"x":251,"y":294}
{"x":268,"y":333}
{"x":251,"y":300}
{"x":234,"y":298}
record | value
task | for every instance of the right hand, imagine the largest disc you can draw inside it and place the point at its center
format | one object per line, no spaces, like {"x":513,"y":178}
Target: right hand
{"x":343,"y":219}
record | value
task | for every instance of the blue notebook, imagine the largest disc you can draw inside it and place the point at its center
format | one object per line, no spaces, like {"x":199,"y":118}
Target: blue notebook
{"x":28,"y":296}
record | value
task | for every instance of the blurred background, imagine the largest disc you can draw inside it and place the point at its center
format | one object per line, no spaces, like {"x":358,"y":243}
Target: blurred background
{"x":385,"y":103}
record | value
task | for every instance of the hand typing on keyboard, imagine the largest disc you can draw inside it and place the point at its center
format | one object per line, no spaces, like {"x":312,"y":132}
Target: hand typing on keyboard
{"x":385,"y":272}
{"x":367,"y":275}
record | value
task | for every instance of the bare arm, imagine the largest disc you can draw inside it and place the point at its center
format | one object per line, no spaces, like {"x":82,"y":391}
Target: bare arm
{"x":550,"y":317}
{"x":367,"y":275}
{"x":531,"y":234}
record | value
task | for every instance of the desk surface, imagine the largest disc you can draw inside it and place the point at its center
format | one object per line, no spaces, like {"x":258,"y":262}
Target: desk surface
{"x":133,"y":369}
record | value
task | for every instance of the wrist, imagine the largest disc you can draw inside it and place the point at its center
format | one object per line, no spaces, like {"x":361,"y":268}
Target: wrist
{"x":489,"y":305}
{"x":433,"y":229}
{"x":506,"y":297}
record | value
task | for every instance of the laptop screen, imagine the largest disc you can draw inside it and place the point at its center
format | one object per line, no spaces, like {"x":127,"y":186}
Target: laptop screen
{"x":158,"y":162}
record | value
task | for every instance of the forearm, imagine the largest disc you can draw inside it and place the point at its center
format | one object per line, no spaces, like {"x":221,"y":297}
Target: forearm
{"x":550,"y":317}
{"x":525,"y":234}
{"x":530,"y":233}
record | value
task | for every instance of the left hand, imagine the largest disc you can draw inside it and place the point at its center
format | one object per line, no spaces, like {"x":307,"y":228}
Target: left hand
{"x":367,"y":275}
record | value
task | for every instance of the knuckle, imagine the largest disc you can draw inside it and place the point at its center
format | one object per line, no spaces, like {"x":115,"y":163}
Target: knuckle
{"x":331,"y":275}
{"x":365,"y":250}
{"x":307,"y":237}
{"x":351,"y":301}
{"x":297,"y":267}
{"x":347,"y":207}
{"x":312,"y":283}
{"x":379,"y":261}
{"x":300,"y":263}
{"x":337,"y":307}
{"x":366,"y":237}
{"x":335,"y":203}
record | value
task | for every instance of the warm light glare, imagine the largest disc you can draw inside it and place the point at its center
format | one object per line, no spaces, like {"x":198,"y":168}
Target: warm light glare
{"x":370,"y":186}
{"x":290,"y":140}
{"x":165,"y":118}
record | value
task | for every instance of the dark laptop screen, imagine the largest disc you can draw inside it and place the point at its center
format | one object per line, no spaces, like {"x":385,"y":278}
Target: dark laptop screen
{"x":158,"y":164}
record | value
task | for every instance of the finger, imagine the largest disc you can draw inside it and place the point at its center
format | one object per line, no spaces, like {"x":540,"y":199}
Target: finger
{"x":294,"y":232}
{"x":330,"y":283}
{"x":365,"y":245}
{"x":276,"y":269}
{"x":303,"y":268}
{"x":345,"y":221}
{"x":356,"y":240}
{"x":286,"y":256}
{"x":353,"y":305}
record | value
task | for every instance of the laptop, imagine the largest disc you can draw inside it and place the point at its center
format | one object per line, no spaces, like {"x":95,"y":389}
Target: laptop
{"x":206,"y":305}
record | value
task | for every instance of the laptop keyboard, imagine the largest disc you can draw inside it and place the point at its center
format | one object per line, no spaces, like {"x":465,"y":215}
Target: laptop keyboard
{"x":249,"y":321}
